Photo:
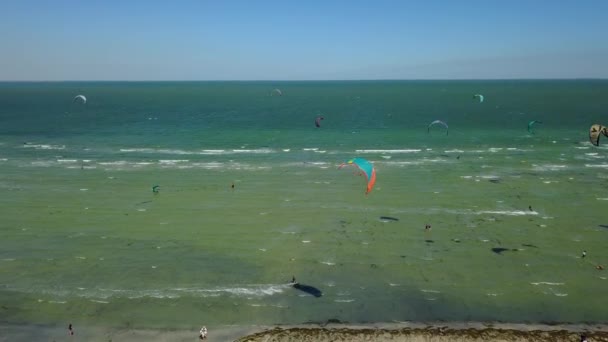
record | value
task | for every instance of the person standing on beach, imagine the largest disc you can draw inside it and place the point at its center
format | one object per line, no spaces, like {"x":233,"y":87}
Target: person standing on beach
{"x":70,"y":330}
{"x":203,"y":333}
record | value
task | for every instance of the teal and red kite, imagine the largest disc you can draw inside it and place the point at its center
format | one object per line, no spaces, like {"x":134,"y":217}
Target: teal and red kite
{"x":366,"y":168}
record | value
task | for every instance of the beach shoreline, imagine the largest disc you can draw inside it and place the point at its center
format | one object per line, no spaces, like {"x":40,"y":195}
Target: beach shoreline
{"x":402,"y":331}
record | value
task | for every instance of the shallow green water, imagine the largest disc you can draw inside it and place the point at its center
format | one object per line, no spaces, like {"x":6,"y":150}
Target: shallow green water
{"x":83,"y":238}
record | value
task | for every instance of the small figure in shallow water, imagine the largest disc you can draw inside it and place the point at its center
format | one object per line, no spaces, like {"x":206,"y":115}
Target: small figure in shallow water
{"x":530,"y":207}
{"x":427,"y":227}
{"x":70,"y":330}
{"x":232,"y":186}
{"x":584,"y":254}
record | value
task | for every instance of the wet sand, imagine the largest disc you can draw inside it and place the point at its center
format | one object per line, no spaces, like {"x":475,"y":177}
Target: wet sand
{"x":413,"y":332}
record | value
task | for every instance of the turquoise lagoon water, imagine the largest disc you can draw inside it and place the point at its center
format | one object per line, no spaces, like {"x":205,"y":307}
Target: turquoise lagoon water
{"x":84,"y":239}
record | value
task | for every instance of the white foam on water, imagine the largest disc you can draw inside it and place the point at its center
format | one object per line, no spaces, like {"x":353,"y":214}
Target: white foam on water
{"x":547,"y":283}
{"x":506,"y":212}
{"x":286,"y":150}
{"x":67,"y":160}
{"x":141,"y":209}
{"x":604,"y":166}
{"x":254,"y":151}
{"x":344,"y":300}
{"x":429,"y":291}
{"x":431,"y":298}
{"x":453,"y":151}
{"x":328,"y":263}
{"x":305,"y":241}
{"x":394,"y":284}
{"x":172,"y":161}
{"x":8,"y":259}
{"x":386,"y":157}
{"x":310,"y":149}
{"x":44,"y":147}
{"x":548,"y":167}
{"x":57,"y":301}
{"x":262,"y":249}
{"x":114,"y":163}
{"x":389,"y":151}
{"x":560,"y":294}
{"x":602,"y":198}
{"x":84,"y":189}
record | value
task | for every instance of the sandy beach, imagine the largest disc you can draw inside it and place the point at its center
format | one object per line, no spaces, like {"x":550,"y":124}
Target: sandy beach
{"x":414,"y":332}
{"x":457,"y":333}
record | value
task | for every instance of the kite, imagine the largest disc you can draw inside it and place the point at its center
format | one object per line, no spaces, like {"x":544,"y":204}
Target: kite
{"x":156,"y":189}
{"x":438,"y":122}
{"x":479,"y":96}
{"x":80,"y":98}
{"x":531,"y":123}
{"x":318,"y":121}
{"x":366,"y":168}
{"x":276,"y":91}
{"x":594,"y":133}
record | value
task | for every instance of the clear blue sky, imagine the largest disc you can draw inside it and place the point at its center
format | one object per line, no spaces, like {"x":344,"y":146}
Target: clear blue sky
{"x":302,"y":39}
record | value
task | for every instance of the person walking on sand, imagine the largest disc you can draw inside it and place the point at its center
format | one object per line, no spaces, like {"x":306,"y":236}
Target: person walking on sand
{"x":203,"y":333}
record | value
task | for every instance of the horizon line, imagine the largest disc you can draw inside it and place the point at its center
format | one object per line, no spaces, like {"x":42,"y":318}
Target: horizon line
{"x":321,"y":80}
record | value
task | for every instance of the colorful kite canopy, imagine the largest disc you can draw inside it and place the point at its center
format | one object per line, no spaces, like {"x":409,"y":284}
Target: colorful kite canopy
{"x":366,"y":168}
{"x":594,"y":133}
{"x":479,"y":96}
{"x":532,"y":123}
{"x":438,"y":122}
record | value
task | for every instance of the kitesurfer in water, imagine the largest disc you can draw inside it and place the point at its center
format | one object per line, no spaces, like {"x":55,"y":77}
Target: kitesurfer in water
{"x":584,"y":254}
{"x":530,"y":207}
{"x":427,"y":227}
{"x":70,"y":330}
